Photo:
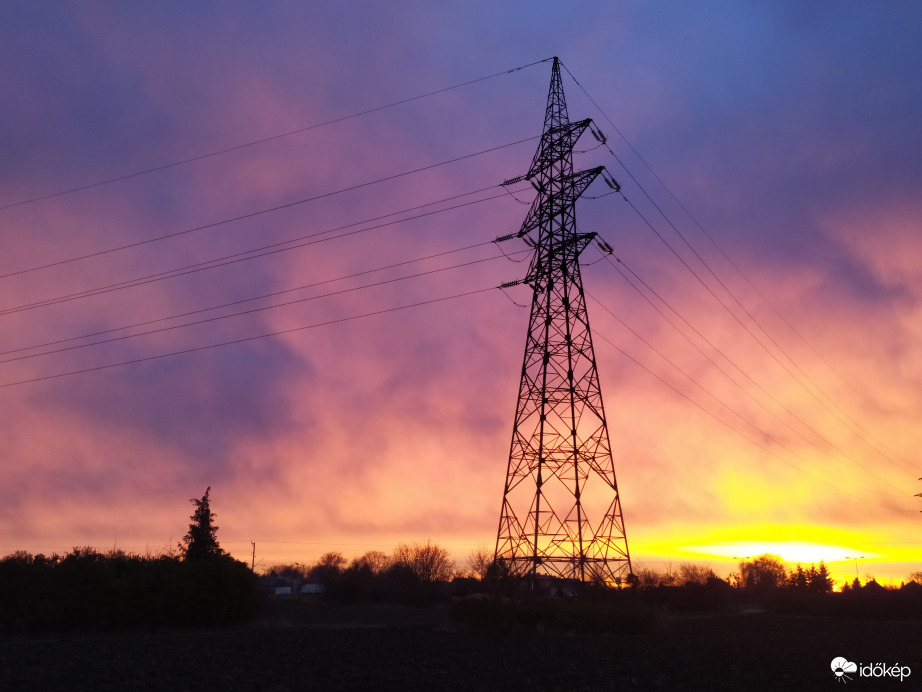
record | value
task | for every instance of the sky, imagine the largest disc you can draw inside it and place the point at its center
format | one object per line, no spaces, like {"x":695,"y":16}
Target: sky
{"x":756,"y":328}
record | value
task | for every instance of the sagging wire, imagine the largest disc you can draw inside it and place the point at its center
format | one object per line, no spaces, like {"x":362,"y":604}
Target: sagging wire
{"x":509,"y":236}
{"x":502,"y":287}
{"x":509,"y":256}
{"x":589,"y":264}
{"x":586,"y":151}
{"x":522,"y":202}
{"x":613,"y":192}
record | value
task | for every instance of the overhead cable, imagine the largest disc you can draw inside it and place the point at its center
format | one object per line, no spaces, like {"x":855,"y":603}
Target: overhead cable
{"x":310,"y":239}
{"x":741,"y":433}
{"x":260,"y":212}
{"x":271,"y":294}
{"x":231,"y":342}
{"x":263,"y":140}
{"x":874,"y":443}
{"x":250,"y":311}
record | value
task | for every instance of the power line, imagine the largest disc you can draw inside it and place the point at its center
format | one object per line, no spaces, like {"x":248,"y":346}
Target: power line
{"x":755,"y":338}
{"x":736,"y":318}
{"x":271,"y":138}
{"x":244,"y":300}
{"x":738,"y":431}
{"x":260,"y":212}
{"x":733,"y":264}
{"x":245,"y":339}
{"x":742,"y":418}
{"x":861,"y":431}
{"x":259,"y":309}
{"x":832,"y":445}
{"x":692,"y":271}
{"x":239,"y":257}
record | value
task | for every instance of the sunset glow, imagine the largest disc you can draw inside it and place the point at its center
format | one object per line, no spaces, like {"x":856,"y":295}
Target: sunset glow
{"x":252,"y":251}
{"x":790,"y":552}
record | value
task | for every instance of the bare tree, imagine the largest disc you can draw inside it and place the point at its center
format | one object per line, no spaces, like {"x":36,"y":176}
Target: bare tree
{"x":332,"y":560}
{"x":429,"y":563}
{"x":328,"y":565}
{"x":328,"y":570}
{"x":480,"y":560}
{"x":374,"y":561}
{"x":694,"y":574}
{"x":669,"y":577}
{"x":646,"y":577}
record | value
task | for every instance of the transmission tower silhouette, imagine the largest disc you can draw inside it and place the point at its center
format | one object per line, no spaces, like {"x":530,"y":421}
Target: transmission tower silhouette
{"x":561,"y":513}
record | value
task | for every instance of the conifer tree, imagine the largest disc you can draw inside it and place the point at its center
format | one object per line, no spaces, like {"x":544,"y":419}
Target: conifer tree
{"x":201,"y":541}
{"x":818,"y":578}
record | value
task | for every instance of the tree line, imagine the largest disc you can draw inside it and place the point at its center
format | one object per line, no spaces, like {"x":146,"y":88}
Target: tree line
{"x":766,"y":581}
{"x":196,"y":585}
{"x":416,"y":573}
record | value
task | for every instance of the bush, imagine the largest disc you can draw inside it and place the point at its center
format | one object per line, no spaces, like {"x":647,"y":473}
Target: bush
{"x":91,"y":591}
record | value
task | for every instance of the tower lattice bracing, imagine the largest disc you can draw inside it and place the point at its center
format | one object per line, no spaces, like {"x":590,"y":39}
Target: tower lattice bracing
{"x":561,"y":512}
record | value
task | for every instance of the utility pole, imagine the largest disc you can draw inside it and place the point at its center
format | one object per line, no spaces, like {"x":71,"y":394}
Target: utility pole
{"x":253,"y":563}
{"x":561,"y":511}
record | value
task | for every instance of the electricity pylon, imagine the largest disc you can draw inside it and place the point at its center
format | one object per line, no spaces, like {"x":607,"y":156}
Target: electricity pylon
{"x":561,"y":512}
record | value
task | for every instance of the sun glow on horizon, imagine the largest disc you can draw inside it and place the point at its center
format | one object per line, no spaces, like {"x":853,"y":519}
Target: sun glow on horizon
{"x":789,"y":551}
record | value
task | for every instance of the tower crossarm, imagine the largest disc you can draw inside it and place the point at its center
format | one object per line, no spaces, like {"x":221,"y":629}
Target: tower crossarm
{"x":556,"y":143}
{"x":551,"y":254}
{"x":547,"y":205}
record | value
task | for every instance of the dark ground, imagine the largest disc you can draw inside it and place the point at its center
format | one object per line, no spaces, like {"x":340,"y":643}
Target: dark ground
{"x":407,"y":649}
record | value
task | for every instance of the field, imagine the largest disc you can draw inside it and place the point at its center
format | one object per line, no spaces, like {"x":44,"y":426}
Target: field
{"x":417,"y":649}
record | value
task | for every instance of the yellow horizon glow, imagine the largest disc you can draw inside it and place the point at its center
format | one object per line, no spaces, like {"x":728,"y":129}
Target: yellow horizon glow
{"x":870,"y":553}
{"x":791,"y":552}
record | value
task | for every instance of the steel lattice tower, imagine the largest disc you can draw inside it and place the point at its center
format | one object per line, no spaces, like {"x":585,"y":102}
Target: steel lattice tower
{"x":561,"y":512}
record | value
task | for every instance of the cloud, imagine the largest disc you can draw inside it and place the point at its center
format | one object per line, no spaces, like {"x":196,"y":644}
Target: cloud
{"x":386,"y":428}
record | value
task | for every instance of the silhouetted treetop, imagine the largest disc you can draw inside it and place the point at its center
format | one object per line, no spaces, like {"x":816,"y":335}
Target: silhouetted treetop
{"x":763,"y":574}
{"x":201,"y":541}
{"x":429,"y":563}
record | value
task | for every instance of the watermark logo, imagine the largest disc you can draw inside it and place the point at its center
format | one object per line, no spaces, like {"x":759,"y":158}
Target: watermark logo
{"x":842,"y":668}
